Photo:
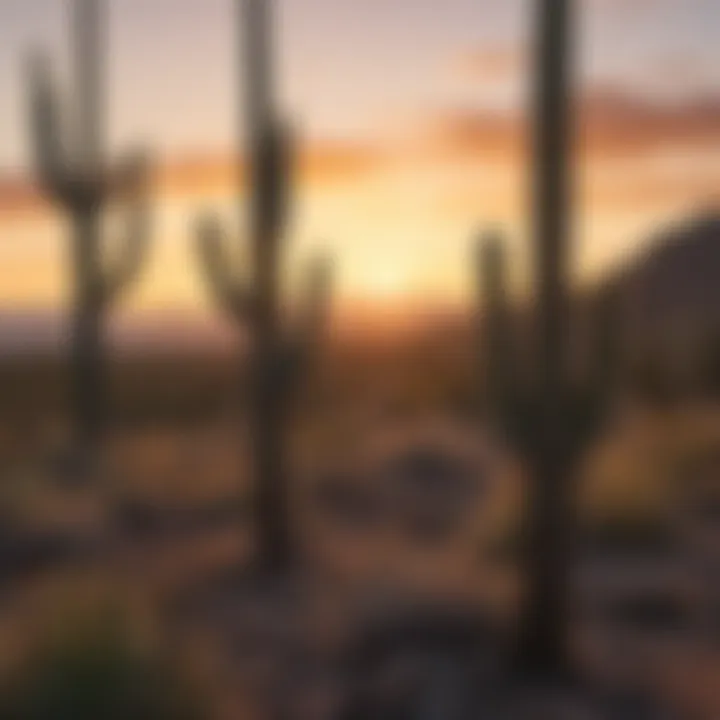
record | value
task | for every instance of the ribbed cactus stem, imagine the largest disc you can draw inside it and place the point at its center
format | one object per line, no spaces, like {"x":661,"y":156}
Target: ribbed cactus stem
{"x":544,"y":628}
{"x":256,"y":19}
{"x":317,"y":293}
{"x":268,"y":411}
{"x":495,"y":337}
{"x":234,"y":295}
{"x":261,"y":125}
{"x":552,"y":422}
{"x":46,"y":125}
{"x":89,"y":367}
{"x":89,"y":18}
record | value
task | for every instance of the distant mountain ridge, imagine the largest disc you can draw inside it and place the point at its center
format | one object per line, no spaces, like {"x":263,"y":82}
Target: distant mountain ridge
{"x":671,"y":292}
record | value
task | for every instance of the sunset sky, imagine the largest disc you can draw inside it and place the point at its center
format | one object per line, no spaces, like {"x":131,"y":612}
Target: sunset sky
{"x":411,"y":116}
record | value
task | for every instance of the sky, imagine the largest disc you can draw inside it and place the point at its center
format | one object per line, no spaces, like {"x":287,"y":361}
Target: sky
{"x":411,"y":126}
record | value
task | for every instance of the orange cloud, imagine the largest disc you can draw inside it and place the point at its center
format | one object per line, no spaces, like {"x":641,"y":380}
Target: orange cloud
{"x":320,"y":163}
{"x":642,"y":190}
{"x":613,"y":122}
{"x":609,"y":123}
{"x":474,"y":134}
{"x":677,"y":70}
{"x":489,"y":64}
{"x":17,"y":195}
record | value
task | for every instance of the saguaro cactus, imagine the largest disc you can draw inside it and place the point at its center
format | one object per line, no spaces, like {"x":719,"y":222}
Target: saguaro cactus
{"x":73,"y":173}
{"x":551,"y":421}
{"x":515,"y":404}
{"x":278,"y":351}
{"x":495,"y":336}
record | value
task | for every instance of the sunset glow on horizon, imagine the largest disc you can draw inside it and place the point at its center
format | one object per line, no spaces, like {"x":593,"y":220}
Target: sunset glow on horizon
{"x":412,"y":127}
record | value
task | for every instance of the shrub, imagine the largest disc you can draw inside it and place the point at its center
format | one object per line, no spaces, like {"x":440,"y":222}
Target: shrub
{"x":96,"y":671}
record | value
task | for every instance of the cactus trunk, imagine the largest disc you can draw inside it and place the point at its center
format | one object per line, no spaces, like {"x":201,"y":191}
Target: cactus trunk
{"x":267,"y":417}
{"x":544,"y":626}
{"x":87,"y":373}
{"x":87,"y":367}
{"x":278,"y":353}
{"x":271,"y":504}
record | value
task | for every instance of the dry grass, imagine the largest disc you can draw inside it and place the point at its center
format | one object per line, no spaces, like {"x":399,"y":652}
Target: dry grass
{"x":190,"y":459}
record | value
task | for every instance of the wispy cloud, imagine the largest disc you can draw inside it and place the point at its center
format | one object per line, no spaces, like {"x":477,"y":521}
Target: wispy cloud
{"x":610,"y":122}
{"x":317,"y":164}
{"x":614,"y":122}
{"x":497,"y":63}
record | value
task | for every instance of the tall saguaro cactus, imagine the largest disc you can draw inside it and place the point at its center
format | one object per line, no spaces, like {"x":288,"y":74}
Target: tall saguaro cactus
{"x":546,"y":607}
{"x":73,"y":173}
{"x":517,"y":404}
{"x":278,"y":352}
{"x":551,"y":421}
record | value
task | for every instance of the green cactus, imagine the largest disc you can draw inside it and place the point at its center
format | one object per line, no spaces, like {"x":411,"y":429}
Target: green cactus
{"x":549,"y":419}
{"x":495,"y":334}
{"x":551,"y":452}
{"x":68,"y":157}
{"x":279,"y":353}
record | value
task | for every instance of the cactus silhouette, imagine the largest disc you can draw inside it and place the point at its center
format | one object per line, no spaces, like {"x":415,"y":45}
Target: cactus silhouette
{"x":515,"y":403}
{"x":72,"y":172}
{"x":548,"y":418}
{"x":495,"y":331}
{"x":279,"y":352}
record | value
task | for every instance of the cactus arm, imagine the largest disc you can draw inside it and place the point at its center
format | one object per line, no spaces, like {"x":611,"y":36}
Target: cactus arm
{"x":129,"y":182}
{"x":312,"y":321}
{"x":233,"y":295}
{"x":496,"y":326}
{"x":317,"y":299}
{"x":50,"y":157}
{"x":128,"y":179}
{"x":134,"y":248}
{"x":300,"y":342}
{"x":61,"y":177}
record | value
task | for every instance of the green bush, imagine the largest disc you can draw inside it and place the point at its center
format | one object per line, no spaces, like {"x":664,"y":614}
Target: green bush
{"x":95,"y":672}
